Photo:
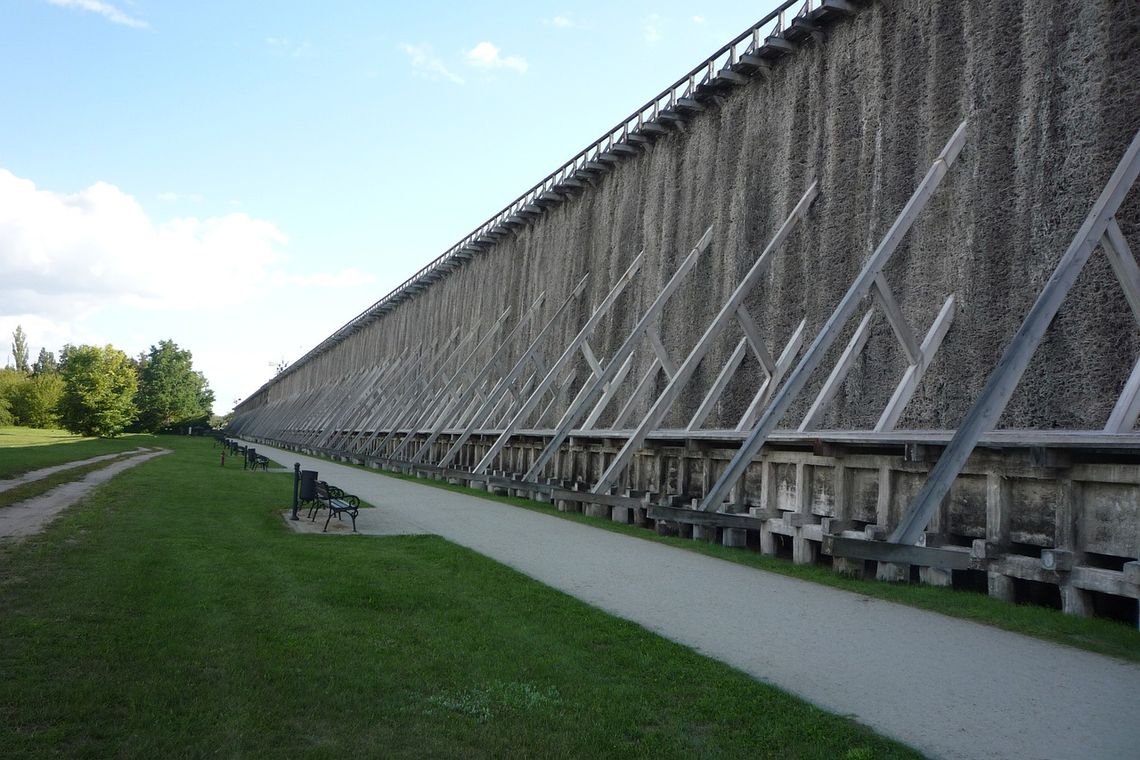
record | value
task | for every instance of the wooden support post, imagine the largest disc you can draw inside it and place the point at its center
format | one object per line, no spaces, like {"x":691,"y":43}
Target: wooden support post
{"x":568,"y":353}
{"x":731,"y":309}
{"x":650,"y":316}
{"x":834,"y":381}
{"x":847,"y":307}
{"x":1006,"y":376}
{"x":487,"y":408}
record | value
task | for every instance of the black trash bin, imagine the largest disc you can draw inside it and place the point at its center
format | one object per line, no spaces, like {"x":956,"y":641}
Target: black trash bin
{"x":308,"y":485}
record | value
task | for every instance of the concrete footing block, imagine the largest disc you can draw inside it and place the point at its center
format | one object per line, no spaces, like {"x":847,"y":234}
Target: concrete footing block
{"x":736,"y":538}
{"x":704,"y":533}
{"x":767,"y":541}
{"x":892,"y":573}
{"x":1076,"y":601}
{"x":852,"y":568}
{"x":936,"y":576}
{"x":1000,"y":586}
{"x":621,"y":515}
{"x":597,"y":510}
{"x":568,"y":506}
{"x":804,"y":552}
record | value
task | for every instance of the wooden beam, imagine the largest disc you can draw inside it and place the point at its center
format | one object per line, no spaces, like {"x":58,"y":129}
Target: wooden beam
{"x":718,"y":386}
{"x":838,"y":374}
{"x":987,"y":409}
{"x":783,"y":364}
{"x":560,"y":363}
{"x":913,"y":374}
{"x":881,"y":291}
{"x":900,"y":554}
{"x":651,"y":314}
{"x":493,"y":400}
{"x":723,"y":318}
{"x":847,"y":307}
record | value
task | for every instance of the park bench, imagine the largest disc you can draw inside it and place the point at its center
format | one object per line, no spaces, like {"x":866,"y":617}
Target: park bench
{"x":336,"y":501}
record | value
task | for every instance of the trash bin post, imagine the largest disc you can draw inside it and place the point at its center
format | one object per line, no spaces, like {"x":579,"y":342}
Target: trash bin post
{"x":296,"y":489}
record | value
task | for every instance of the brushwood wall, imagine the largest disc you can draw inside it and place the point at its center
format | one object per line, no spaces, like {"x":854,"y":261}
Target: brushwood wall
{"x":1051,"y":90}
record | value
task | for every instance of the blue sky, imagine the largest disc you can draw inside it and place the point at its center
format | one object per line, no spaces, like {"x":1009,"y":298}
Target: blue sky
{"x":244,"y":177}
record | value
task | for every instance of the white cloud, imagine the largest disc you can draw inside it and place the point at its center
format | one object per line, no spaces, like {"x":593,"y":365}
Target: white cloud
{"x":562,"y":22}
{"x":168,"y":197}
{"x":65,"y":255}
{"x":425,"y":62}
{"x":106,"y":10}
{"x":698,"y":19}
{"x":486,"y":56}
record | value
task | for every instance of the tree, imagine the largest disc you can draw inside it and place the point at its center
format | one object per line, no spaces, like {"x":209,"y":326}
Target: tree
{"x":20,"y":349}
{"x":35,"y":402}
{"x":99,"y":391}
{"x":11,"y":385}
{"x":45,"y":363}
{"x":170,"y":392}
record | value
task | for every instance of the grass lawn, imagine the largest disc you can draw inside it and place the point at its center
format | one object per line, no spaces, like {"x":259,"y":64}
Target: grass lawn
{"x":173,"y":614}
{"x":1099,"y":635}
{"x":24,"y":449}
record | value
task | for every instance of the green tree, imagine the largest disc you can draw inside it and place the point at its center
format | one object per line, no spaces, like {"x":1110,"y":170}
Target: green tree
{"x":99,"y":391}
{"x":170,"y":392}
{"x":6,"y":418}
{"x":11,"y":385}
{"x":45,"y":363}
{"x":35,"y":402}
{"x":20,"y":350}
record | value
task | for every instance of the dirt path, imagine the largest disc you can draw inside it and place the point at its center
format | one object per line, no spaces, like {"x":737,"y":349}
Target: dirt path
{"x":28,"y":517}
{"x":28,"y":477}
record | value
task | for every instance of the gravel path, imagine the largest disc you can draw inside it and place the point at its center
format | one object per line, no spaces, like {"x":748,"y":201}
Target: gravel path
{"x":949,"y":688}
{"x":27,"y":517}
{"x":28,"y":477}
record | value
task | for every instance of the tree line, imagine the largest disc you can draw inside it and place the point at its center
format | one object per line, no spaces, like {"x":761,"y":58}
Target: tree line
{"x":100,"y":391}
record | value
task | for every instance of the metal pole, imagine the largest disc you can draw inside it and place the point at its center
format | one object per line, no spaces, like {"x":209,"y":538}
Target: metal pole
{"x":296,"y":489}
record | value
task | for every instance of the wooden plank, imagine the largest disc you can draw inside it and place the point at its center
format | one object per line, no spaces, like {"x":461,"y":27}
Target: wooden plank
{"x":899,"y":554}
{"x":991,"y":402}
{"x":847,"y":307}
{"x":913,"y":374}
{"x":633,"y":398}
{"x":608,"y":393}
{"x":1127,"y":408}
{"x":881,"y":292}
{"x":591,"y":359}
{"x":667,"y":363}
{"x":718,"y":386}
{"x":783,"y":364}
{"x":1123,"y":264}
{"x":838,"y":374}
{"x":697,"y":517}
{"x":755,"y":340}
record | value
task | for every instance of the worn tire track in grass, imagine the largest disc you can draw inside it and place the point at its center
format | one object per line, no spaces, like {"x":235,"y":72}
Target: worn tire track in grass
{"x":44,"y":472}
{"x":29,"y":517}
